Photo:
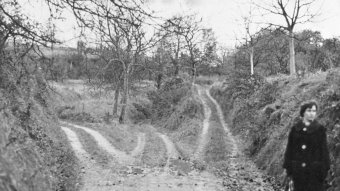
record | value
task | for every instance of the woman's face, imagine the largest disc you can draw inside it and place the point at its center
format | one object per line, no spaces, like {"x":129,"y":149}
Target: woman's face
{"x":310,"y":113}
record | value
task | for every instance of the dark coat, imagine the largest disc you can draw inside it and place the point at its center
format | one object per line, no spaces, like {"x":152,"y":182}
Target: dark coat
{"x":307,"y":157}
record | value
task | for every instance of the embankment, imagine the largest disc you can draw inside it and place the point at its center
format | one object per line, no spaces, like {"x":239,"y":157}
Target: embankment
{"x":261,"y":112}
{"x":34,"y":154}
{"x":178,"y":112}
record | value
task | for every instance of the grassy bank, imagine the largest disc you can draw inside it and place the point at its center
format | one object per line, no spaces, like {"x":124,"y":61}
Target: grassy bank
{"x":178,"y":112}
{"x":35,"y":154}
{"x":262,"y":111}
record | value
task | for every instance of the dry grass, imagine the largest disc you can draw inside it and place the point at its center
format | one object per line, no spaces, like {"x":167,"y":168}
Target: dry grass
{"x":217,"y":149}
{"x":76,"y":93}
{"x":96,"y":102}
{"x":215,"y":78}
{"x":76,"y":86}
{"x":309,"y":77}
{"x":186,"y":138}
{"x":99,"y":155}
{"x":123,"y":137}
{"x":155,"y":153}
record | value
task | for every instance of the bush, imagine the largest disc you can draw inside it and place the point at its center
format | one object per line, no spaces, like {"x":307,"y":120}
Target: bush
{"x":242,"y":85}
{"x":167,"y":97}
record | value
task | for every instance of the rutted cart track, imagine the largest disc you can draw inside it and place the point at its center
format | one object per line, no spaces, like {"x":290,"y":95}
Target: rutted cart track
{"x":135,"y":178}
{"x":172,"y":153}
{"x":202,"y":142}
{"x":241,"y":174}
{"x":122,"y":157}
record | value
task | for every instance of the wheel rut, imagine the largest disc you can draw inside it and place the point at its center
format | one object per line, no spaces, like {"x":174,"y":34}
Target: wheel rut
{"x":234,"y":148}
{"x":138,"y":178}
{"x":241,"y":174}
{"x":102,"y":142}
{"x":140,"y":146}
{"x":172,"y":153}
{"x":202,"y":142}
{"x":94,"y":177}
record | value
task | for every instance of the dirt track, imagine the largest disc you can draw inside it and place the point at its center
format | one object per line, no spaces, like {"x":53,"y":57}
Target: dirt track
{"x":122,"y":157}
{"x":234,"y":150}
{"x":140,"y":145}
{"x":242,"y":174}
{"x":94,"y":176}
{"x":202,"y":142}
{"x":133,"y":176}
{"x":172,"y":153}
{"x":136,"y":177}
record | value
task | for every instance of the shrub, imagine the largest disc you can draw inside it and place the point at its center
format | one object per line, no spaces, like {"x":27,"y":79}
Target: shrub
{"x":169,"y":95}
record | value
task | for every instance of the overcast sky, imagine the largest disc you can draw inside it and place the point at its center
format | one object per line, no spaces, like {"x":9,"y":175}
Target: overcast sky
{"x":223,"y":16}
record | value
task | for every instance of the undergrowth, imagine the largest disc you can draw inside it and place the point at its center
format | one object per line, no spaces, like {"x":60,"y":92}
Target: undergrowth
{"x":34,"y":152}
{"x":177,"y":110}
{"x":263,"y":113}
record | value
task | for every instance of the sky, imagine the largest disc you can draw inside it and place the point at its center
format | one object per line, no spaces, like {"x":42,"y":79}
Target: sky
{"x":223,"y":16}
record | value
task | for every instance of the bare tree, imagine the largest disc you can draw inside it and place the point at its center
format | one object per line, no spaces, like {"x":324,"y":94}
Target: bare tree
{"x":20,"y":39}
{"x":171,"y":31}
{"x":13,"y":23}
{"x":191,"y":33}
{"x":209,"y":43}
{"x":293,"y":12}
{"x":190,"y":29}
{"x":120,"y":25}
{"x":250,"y":38}
{"x":162,"y":58}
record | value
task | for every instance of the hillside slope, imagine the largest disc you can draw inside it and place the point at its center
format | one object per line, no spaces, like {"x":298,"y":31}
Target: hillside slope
{"x":33,"y":152}
{"x":262,"y":116}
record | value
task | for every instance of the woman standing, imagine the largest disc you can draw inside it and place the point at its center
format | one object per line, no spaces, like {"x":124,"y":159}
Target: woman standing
{"x":306,"y":158}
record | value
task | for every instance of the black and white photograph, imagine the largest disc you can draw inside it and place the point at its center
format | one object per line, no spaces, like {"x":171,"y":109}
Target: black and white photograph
{"x":169,"y":95}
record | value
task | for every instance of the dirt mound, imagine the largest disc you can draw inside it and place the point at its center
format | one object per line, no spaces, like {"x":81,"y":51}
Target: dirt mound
{"x":177,"y":110}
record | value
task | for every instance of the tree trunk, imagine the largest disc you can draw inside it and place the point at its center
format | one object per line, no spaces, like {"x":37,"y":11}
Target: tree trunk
{"x":292,"y":68}
{"x":175,"y":61}
{"x":252,"y":60}
{"x":115,"y":107}
{"x":176,"y":68}
{"x":194,"y":72}
{"x":125,"y":94}
{"x":159,"y":80}
{"x":235,"y":64}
